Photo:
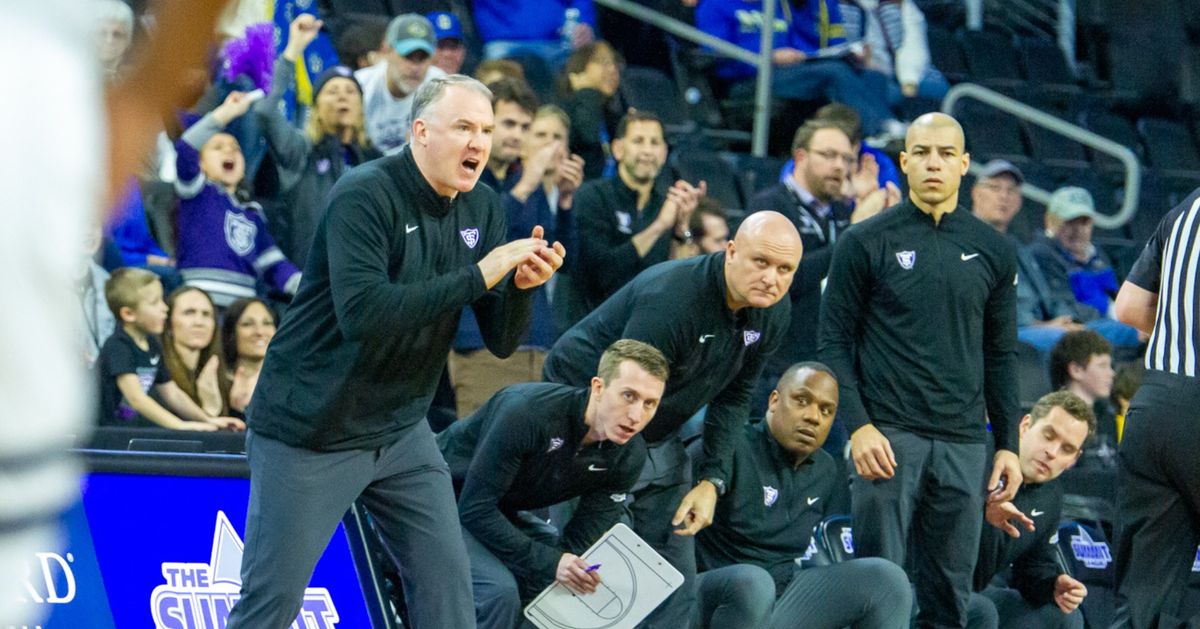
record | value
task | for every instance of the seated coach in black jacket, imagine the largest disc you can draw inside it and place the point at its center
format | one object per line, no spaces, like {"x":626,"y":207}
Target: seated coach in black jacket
{"x":538,"y":444}
{"x":1038,"y":595}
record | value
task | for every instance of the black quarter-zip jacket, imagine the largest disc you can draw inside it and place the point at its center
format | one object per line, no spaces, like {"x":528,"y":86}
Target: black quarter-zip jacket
{"x":524,"y":450}
{"x":767,"y":517}
{"x":608,"y":215}
{"x":360,"y":351}
{"x":1031,"y":555}
{"x":919,"y":321}
{"x":715,"y":354}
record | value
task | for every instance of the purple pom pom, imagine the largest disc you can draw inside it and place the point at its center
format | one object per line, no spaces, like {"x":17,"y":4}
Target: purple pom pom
{"x":252,"y":55}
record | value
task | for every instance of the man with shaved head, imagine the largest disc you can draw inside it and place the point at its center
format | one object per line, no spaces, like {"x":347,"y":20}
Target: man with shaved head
{"x":717,"y":318}
{"x":919,"y":323}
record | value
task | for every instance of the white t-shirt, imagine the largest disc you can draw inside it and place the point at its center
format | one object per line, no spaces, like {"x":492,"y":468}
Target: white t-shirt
{"x":389,"y":119}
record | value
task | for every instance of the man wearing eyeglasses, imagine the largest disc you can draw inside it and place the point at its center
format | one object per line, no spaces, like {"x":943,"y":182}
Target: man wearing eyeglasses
{"x":811,"y":196}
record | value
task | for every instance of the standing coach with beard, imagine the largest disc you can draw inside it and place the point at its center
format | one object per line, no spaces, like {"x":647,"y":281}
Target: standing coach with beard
{"x":339,"y":410}
{"x":919,"y":322}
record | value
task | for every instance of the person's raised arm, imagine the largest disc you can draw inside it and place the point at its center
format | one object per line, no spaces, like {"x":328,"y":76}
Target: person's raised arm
{"x":289,"y":146}
{"x":131,"y":388}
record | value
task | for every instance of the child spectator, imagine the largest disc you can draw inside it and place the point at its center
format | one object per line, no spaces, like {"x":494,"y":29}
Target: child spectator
{"x":131,"y":362}
{"x":493,"y":70}
{"x":190,"y":347}
{"x":98,"y":322}
{"x":224,"y":247}
{"x":249,"y":328}
{"x":311,"y":161}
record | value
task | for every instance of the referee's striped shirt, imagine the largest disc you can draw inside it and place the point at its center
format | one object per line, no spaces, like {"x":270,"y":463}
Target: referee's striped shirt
{"x":1169,"y":266}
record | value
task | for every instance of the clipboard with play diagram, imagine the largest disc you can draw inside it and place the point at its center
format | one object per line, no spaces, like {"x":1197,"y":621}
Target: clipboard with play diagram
{"x":634,"y":580}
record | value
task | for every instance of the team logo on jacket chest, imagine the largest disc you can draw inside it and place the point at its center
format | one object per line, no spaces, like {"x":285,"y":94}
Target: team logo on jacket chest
{"x":240,"y":233}
{"x":750,"y":336}
{"x":470,"y":236}
{"x":624,"y":223}
{"x":770,"y":495}
{"x":555,"y":444}
{"x":906,"y":259}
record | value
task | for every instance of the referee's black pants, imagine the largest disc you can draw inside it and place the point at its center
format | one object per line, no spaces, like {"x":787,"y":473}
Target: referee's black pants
{"x":935,"y":503}
{"x":1158,"y":512}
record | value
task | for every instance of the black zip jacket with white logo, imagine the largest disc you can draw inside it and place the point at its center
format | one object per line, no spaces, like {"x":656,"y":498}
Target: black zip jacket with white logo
{"x":1034,"y":569}
{"x":919,"y":321}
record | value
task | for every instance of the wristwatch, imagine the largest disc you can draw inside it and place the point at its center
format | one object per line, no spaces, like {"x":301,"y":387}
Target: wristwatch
{"x":686,"y":237}
{"x":718,"y":483}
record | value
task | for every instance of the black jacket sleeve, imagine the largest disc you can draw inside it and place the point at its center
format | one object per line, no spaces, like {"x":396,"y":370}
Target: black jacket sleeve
{"x":841,"y":316}
{"x":598,"y":511}
{"x":496,"y":463}
{"x":503,"y":312}
{"x":367,"y":303}
{"x":607,"y":257}
{"x":728,"y":411}
{"x":1035,"y":571}
{"x":1000,"y":356}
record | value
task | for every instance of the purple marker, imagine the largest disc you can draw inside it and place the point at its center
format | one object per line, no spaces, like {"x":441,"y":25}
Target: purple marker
{"x":592,"y":568}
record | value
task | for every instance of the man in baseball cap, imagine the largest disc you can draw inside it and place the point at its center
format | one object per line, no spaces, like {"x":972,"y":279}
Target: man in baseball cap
{"x":388,"y":86}
{"x":450,"y":52}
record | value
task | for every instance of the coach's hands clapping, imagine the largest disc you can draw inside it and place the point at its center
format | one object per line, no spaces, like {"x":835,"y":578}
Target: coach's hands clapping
{"x":534,"y":260}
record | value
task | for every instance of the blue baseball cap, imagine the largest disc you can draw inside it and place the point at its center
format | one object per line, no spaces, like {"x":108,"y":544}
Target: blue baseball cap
{"x":410,"y":32}
{"x":445,"y":25}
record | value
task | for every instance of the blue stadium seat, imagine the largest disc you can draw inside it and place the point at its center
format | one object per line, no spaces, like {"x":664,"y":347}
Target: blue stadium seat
{"x":1033,"y":375}
{"x":757,"y":174}
{"x":835,"y":538}
{"x":651,"y":89}
{"x":694,"y":165}
{"x":1046,"y":66}
{"x":1170,"y":150}
{"x":946,"y":53}
{"x":992,"y":59}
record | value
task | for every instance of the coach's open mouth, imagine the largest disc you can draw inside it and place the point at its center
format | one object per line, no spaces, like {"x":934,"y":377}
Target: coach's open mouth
{"x":470,"y":164}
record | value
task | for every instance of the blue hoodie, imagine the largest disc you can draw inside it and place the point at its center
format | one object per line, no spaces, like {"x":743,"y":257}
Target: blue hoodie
{"x":812,"y":25}
{"x":527,"y":20}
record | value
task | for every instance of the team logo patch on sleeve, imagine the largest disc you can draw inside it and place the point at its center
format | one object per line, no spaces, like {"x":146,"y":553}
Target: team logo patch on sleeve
{"x":750,"y":336}
{"x":470,"y":236}
{"x":240,"y":233}
{"x":770,"y":495}
{"x":906,"y":259}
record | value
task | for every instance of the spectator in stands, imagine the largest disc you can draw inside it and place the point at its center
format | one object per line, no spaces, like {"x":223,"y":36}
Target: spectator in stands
{"x":851,"y":123}
{"x":131,"y":362}
{"x":224,"y":246}
{"x":1076,"y":272}
{"x":781,"y":486}
{"x":361,"y":42}
{"x":450,"y":52}
{"x":311,"y":161}
{"x":191,"y":349}
{"x":248,"y":330}
{"x":1038,"y":594}
{"x":129,"y":230}
{"x":506,"y":460}
{"x":537,"y":182}
{"x":388,"y":86}
{"x":811,"y":197}
{"x":549,"y":29}
{"x":802,"y":34}
{"x":588,"y":86}
{"x":628,"y":224}
{"x":98,"y":321}
{"x":897,"y":62}
{"x":709,"y":226}
{"x":1126,"y":383}
{"x":114,"y":21}
{"x":1081,"y":362}
{"x":493,"y":70}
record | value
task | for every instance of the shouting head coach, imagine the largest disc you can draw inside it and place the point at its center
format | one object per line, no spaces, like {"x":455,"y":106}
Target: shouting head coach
{"x":406,"y":242}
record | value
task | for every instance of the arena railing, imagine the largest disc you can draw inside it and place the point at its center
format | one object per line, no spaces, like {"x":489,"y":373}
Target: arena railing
{"x":762,"y":91}
{"x":1133,"y":171}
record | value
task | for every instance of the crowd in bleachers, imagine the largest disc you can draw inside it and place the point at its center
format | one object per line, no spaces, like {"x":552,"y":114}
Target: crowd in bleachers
{"x":626,"y":145}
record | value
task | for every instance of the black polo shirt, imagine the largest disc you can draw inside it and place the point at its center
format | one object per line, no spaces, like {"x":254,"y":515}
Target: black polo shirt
{"x":715,"y":354}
